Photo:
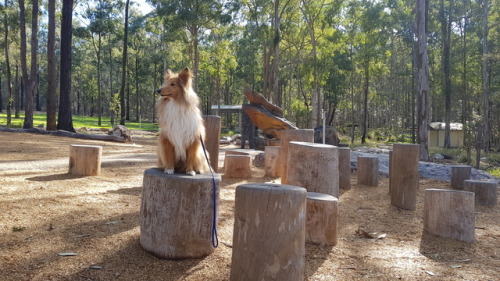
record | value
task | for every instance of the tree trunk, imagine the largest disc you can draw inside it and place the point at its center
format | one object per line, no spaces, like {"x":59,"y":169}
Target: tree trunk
{"x":450,"y":213}
{"x":269,"y":232}
{"x":124,"y":67}
{"x":65,"y":121}
{"x":365,"y":100}
{"x":29,"y":79}
{"x":276,"y":59}
{"x":423,"y":79}
{"x":445,"y":18}
{"x":51,"y":68}
{"x":486,"y":80}
{"x":7,"y":66}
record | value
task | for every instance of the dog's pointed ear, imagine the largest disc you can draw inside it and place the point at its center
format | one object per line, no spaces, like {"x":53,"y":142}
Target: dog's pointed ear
{"x":186,"y":76}
{"x":168,"y":74}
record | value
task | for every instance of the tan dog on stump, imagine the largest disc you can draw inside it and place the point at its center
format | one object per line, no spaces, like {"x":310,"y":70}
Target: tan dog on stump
{"x":181,"y":126}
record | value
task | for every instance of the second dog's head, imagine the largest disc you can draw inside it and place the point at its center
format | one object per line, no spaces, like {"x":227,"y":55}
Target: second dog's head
{"x":177,"y":86}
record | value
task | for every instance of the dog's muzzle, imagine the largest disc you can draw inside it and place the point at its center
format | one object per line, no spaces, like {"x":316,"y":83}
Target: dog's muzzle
{"x":158,"y":91}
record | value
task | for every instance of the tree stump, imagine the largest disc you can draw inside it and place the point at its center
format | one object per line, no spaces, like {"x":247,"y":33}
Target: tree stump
{"x":322,"y":219}
{"x":344,"y":167}
{"x":177,"y":214}
{"x":314,"y":167}
{"x":270,"y":160}
{"x":212,"y":133}
{"x":450,"y":213}
{"x":85,"y":160}
{"x":460,"y":173}
{"x":486,"y":192}
{"x":237,"y":166}
{"x":306,"y":135}
{"x":368,"y":170}
{"x":269,"y":232}
{"x":404,"y":175}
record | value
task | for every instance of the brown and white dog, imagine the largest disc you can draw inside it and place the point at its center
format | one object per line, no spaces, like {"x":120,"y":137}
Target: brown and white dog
{"x":181,"y":126}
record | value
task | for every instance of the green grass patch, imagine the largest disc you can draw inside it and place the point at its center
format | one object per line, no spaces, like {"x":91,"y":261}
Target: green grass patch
{"x":40,"y":118}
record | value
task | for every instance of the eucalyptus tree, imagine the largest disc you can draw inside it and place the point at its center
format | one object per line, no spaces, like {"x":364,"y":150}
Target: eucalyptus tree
{"x":29,"y":78}
{"x":486,"y":79}
{"x":423,"y":78}
{"x":124,"y":66}
{"x":64,"y":118}
{"x":51,"y":68}
{"x":197,"y":17}
{"x":7,"y":15}
{"x":100,"y":24}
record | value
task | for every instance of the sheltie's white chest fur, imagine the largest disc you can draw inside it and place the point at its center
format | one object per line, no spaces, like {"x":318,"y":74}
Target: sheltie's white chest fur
{"x":181,"y":124}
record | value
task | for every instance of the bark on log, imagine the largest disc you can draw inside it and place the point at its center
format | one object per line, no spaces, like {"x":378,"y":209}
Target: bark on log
{"x":314,"y":167}
{"x":258,"y":99}
{"x":322,"y":219}
{"x":344,"y":154}
{"x":270,"y":124}
{"x":404,"y":175}
{"x":212,"y":129}
{"x":269,"y":232}
{"x":85,"y":160}
{"x":305,"y":135}
{"x":459,"y":174}
{"x":271,"y":158}
{"x":176,"y":214}
{"x":486,"y":192}
{"x":61,"y":133}
{"x":450,"y":213}
{"x":368,"y":170}
{"x":238,"y":166}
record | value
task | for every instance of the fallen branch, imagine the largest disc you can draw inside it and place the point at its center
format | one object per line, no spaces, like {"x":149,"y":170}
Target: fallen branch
{"x":61,"y":133}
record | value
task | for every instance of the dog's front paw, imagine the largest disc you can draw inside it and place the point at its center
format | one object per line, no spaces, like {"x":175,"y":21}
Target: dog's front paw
{"x":191,"y":173}
{"x":169,"y":171}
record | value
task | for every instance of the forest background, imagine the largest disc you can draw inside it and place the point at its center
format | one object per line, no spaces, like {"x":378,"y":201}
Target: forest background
{"x":354,"y":59}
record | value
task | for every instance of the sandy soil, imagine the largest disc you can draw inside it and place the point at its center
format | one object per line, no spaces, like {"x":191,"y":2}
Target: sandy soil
{"x":45,"y":212}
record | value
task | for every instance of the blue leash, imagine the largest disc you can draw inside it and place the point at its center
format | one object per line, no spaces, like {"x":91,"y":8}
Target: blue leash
{"x":215,"y":239}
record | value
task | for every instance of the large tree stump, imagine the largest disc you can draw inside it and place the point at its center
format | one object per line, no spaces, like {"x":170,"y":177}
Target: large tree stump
{"x":212,"y":137}
{"x":314,"y":167}
{"x":238,"y":166}
{"x":177,"y":214}
{"x":344,"y":154}
{"x":460,"y":173}
{"x":306,"y":135}
{"x":85,"y":160}
{"x":269,"y":232}
{"x":322,"y":219}
{"x":368,"y":170}
{"x":486,"y":191}
{"x":271,"y":158}
{"x":449,"y":213}
{"x":404,"y":175}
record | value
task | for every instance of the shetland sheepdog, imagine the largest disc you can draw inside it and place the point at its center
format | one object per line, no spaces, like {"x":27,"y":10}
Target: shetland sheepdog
{"x":181,"y":126}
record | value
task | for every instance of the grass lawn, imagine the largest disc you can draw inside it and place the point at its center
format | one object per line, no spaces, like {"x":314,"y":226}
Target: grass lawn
{"x":78,"y":122}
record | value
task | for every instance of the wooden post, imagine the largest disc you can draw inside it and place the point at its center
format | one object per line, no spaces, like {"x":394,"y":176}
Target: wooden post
{"x":306,"y":135}
{"x":344,"y":167}
{"x":404,"y":175}
{"x":313,"y":166}
{"x":460,"y":173}
{"x":322,"y":219}
{"x":486,"y":191}
{"x":85,"y":160}
{"x":176,"y":214}
{"x":390,"y":170}
{"x":368,"y":170}
{"x":269,"y":232}
{"x":212,"y":137}
{"x":237,"y":166}
{"x":449,"y":213}
{"x":270,"y":160}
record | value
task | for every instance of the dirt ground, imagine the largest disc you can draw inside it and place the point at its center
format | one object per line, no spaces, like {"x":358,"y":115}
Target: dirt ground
{"x":44,"y":212}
